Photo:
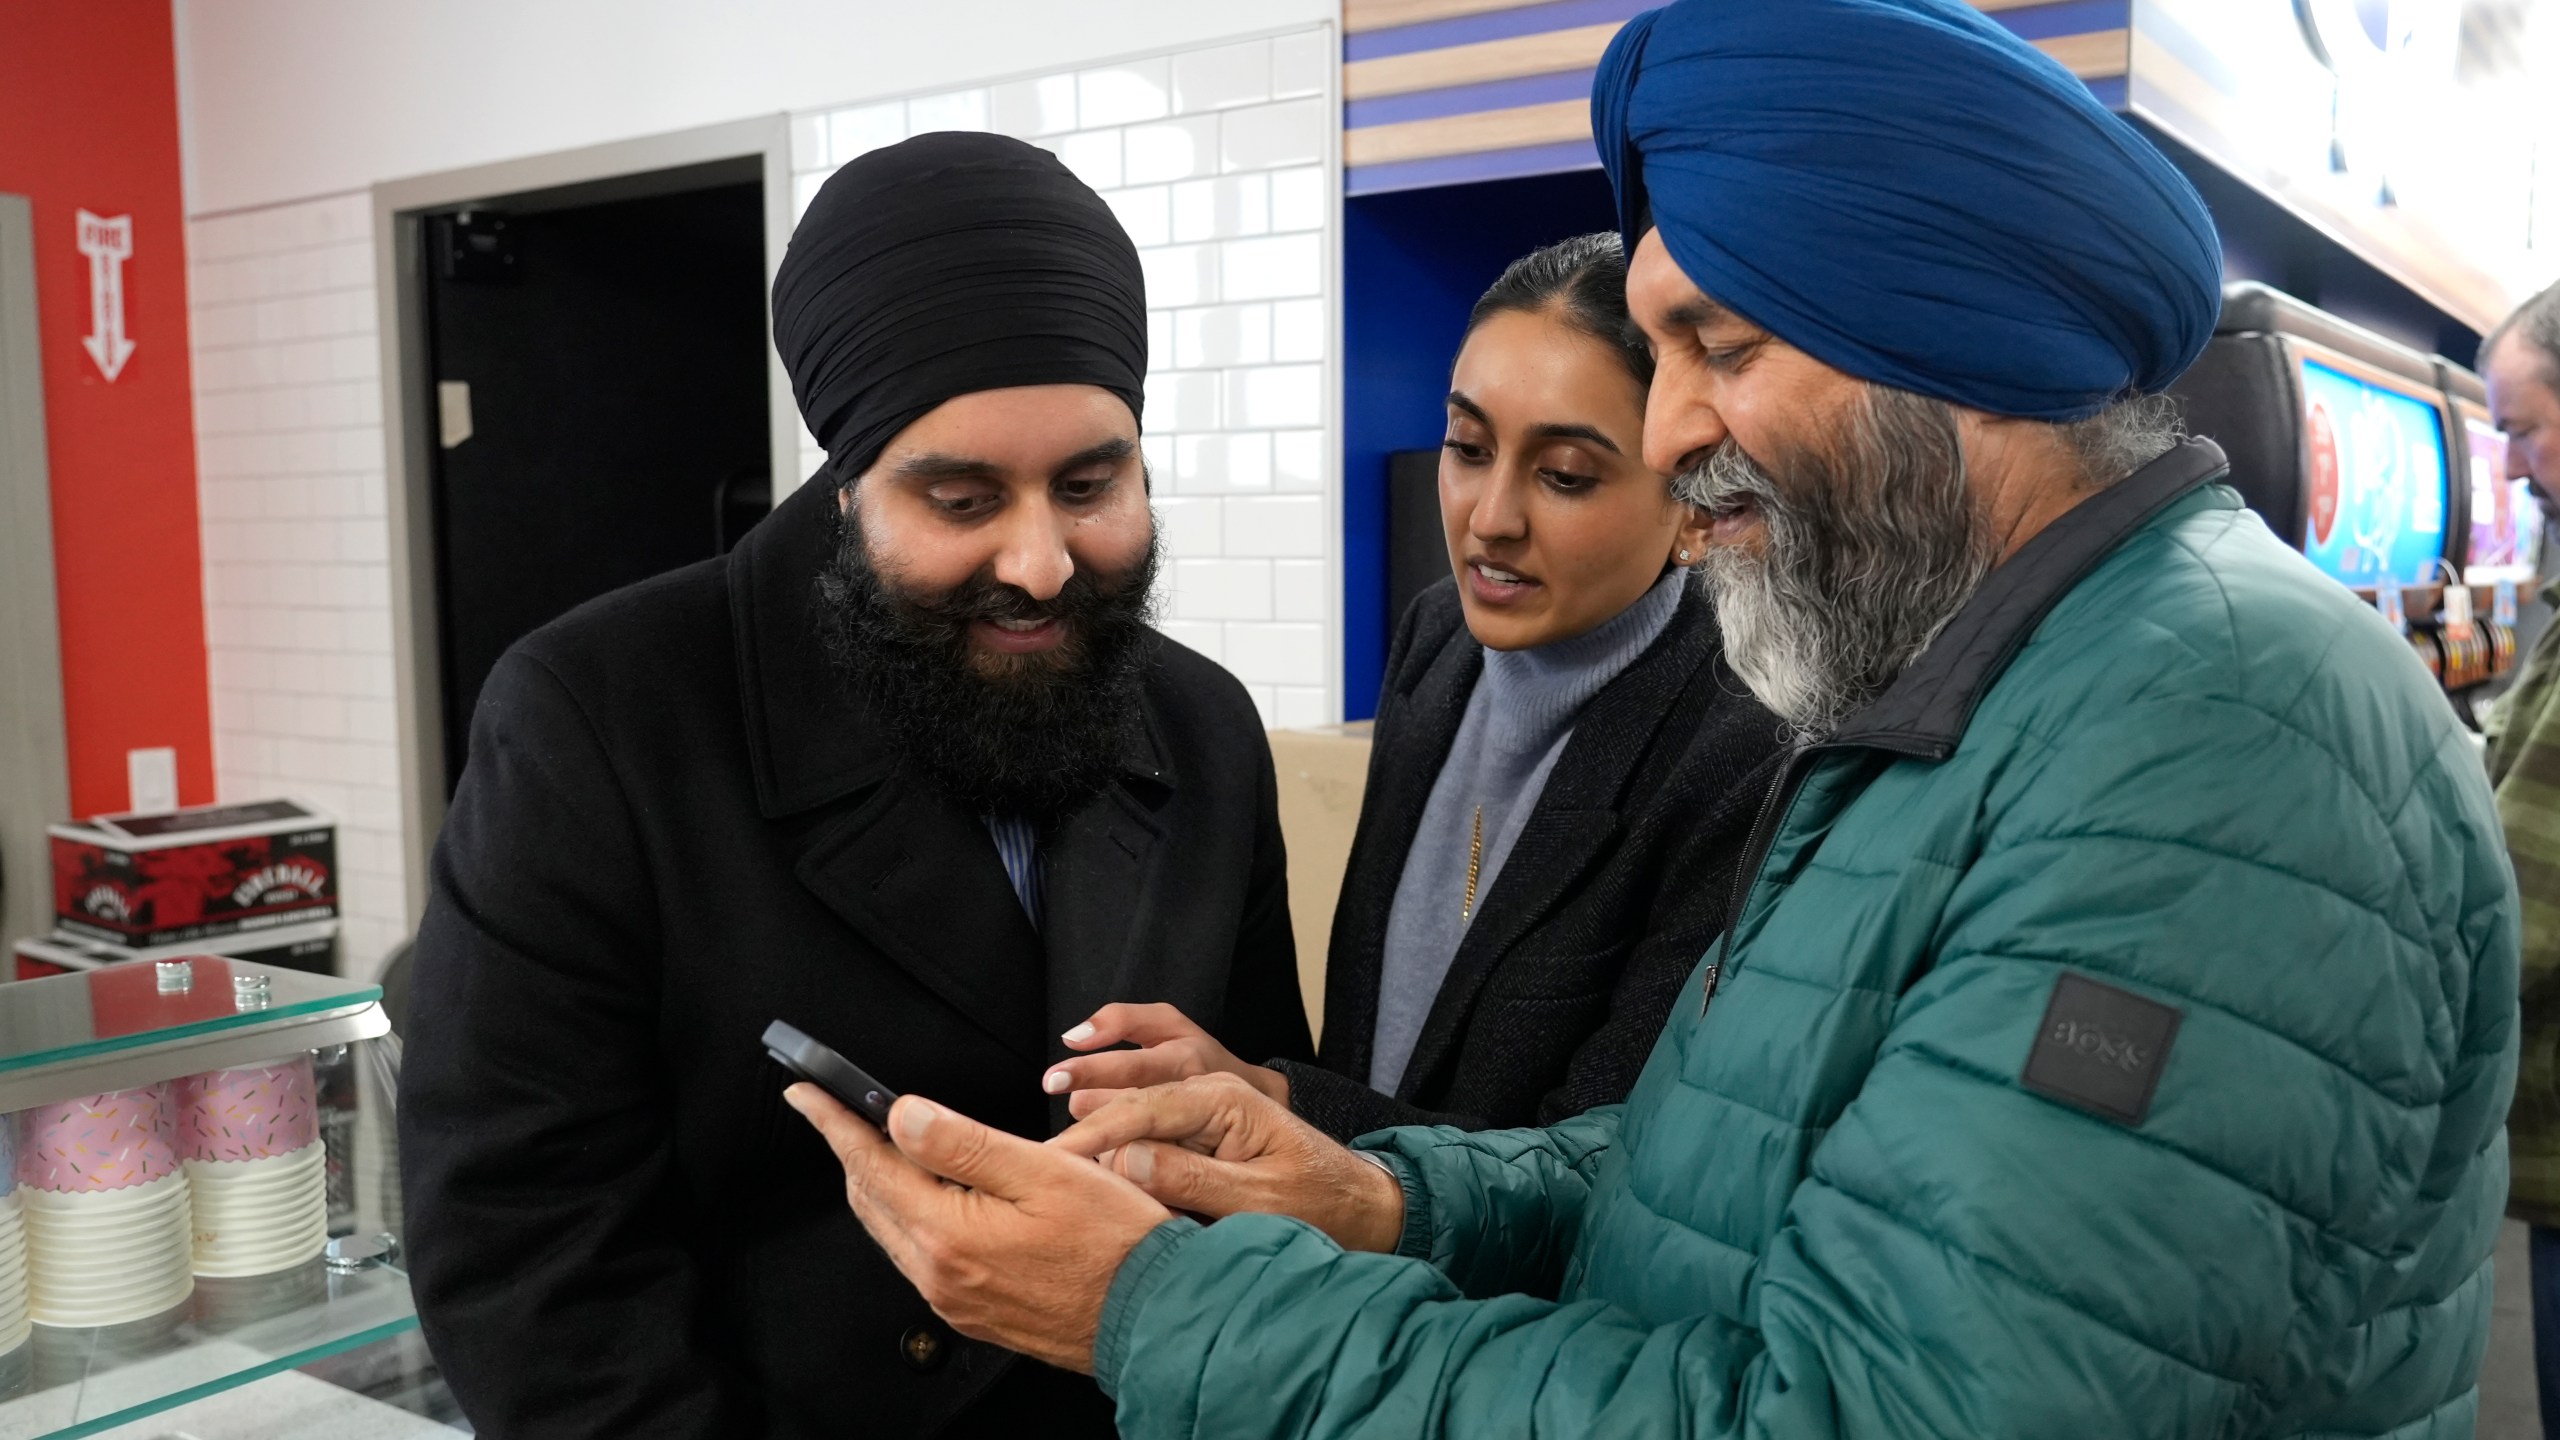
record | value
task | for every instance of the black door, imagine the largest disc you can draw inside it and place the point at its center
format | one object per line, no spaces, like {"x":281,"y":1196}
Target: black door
{"x":601,"y":391}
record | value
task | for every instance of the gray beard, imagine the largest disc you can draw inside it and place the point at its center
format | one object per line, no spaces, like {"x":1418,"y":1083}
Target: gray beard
{"x":1871,"y":551}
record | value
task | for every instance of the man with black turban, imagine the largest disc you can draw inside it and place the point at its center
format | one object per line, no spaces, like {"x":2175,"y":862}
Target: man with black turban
{"x":908,"y":770}
{"x":2118,"y":1024}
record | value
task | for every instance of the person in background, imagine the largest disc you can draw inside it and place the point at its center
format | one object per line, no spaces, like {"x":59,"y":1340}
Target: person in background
{"x":2118,"y":1033}
{"x":1563,"y":768}
{"x":898,"y":770}
{"x":2521,"y":363}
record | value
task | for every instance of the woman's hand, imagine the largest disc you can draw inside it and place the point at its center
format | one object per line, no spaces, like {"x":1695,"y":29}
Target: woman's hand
{"x":1214,"y":1146}
{"x":1172,"y":1048}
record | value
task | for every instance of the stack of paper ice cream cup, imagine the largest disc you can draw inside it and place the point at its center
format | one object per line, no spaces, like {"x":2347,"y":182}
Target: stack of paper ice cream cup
{"x":255,"y":1168}
{"x":13,"y":1243}
{"x":105,"y":1207}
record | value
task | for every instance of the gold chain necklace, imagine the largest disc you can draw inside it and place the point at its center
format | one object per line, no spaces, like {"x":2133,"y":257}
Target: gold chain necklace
{"x":1475,"y":866}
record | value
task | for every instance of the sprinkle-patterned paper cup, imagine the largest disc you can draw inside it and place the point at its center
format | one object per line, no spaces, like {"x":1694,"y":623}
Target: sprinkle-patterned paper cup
{"x":248,"y":1114}
{"x":100,"y":1142}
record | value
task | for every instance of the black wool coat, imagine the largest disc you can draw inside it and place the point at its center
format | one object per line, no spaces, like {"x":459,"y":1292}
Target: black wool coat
{"x":1618,"y":884}
{"x":677,"y":826}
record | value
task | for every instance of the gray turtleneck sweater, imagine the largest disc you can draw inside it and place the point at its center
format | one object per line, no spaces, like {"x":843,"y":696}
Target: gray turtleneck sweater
{"x":1518,"y":721}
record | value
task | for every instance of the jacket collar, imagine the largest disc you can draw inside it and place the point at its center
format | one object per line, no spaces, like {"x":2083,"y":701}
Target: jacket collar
{"x":809,"y":737}
{"x":1925,"y":711}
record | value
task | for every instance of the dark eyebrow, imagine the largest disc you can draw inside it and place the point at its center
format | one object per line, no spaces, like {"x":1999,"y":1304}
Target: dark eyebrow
{"x":1551,"y":430}
{"x":933,"y":465}
{"x":1109,"y":452}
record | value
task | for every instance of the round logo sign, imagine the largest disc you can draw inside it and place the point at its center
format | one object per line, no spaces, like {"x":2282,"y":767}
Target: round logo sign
{"x":2321,"y":433}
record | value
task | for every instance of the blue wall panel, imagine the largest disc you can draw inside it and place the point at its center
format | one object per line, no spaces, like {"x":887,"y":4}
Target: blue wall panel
{"x":1413,"y":264}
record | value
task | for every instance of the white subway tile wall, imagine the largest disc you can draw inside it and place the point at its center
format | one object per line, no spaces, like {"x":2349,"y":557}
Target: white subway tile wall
{"x":961,"y":110}
{"x":1046,"y":106}
{"x":1216,"y":162}
{"x":1303,"y":64}
{"x":1227,"y":76}
{"x":1268,"y":137}
{"x":1119,"y":94}
{"x":1094,"y":156}
{"x":1169,"y":150}
{"x":1233,"y":205}
{"x":852,"y":132}
{"x":297,"y":573}
{"x":1144,"y":212}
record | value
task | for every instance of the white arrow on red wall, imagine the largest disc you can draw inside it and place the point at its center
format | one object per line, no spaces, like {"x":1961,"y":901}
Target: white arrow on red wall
{"x":108,"y":244}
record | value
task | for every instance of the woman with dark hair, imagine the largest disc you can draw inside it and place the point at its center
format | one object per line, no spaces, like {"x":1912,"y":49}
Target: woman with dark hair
{"x":1563,"y":771}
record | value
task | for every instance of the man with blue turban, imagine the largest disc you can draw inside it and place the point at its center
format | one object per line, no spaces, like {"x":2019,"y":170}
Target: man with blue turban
{"x":2117,"y":1028}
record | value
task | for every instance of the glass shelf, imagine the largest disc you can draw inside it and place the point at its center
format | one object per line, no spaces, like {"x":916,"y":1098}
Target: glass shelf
{"x":67,"y":1383}
{"x":116,"y":1007}
{"x":69,"y":1035}
{"x":121,"y":1025}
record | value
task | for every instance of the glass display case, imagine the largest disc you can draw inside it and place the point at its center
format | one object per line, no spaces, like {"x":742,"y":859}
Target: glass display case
{"x":201,"y":1186}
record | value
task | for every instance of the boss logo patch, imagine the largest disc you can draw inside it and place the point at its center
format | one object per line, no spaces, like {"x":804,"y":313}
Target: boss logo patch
{"x":2101,"y":1049}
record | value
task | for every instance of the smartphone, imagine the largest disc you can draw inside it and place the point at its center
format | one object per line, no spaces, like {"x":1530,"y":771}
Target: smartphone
{"x":809,"y":1060}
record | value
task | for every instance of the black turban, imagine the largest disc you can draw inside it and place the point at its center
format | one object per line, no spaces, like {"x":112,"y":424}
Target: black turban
{"x":945,"y":265}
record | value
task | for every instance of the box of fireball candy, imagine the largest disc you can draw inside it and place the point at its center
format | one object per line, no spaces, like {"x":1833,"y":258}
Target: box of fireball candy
{"x":190,"y":876}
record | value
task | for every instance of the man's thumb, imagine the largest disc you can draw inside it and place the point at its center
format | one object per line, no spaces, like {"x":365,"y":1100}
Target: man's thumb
{"x":960,"y":1149}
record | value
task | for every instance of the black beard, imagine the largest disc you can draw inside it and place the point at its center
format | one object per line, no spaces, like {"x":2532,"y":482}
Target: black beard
{"x":1031,"y":735}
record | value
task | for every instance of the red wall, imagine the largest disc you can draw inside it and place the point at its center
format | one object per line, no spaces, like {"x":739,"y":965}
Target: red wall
{"x":89,"y":120}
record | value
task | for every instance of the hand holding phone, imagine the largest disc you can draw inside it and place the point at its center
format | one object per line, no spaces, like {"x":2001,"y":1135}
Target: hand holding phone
{"x":809,"y":1060}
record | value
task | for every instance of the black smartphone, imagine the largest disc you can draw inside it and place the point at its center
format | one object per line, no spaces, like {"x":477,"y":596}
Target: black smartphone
{"x":814,"y":1062}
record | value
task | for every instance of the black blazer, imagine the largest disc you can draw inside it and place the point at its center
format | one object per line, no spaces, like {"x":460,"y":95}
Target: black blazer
{"x":677,"y":826}
{"x":1617,"y":885}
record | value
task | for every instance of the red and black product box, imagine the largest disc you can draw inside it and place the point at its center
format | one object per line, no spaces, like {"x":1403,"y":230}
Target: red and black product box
{"x":312,"y":948}
{"x":188,"y":876}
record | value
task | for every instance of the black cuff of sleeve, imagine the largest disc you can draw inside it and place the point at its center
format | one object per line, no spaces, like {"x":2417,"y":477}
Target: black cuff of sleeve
{"x":1338,"y":1105}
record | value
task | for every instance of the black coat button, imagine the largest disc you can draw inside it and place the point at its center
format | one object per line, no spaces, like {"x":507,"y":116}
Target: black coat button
{"x":921,"y":1349}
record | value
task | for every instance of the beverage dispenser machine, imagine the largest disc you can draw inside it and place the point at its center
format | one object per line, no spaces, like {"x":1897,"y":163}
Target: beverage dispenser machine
{"x":2360,"y":452}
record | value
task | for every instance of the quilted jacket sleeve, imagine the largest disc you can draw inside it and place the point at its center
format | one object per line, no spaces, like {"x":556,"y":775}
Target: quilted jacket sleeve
{"x":1497,"y":1211}
{"x":2318,"y":1176}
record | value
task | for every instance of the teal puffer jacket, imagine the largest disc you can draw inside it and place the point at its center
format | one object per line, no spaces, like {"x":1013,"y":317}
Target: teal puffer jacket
{"x":1934,"y":1162}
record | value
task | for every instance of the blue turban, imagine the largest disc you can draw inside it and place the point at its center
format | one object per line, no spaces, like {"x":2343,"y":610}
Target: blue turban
{"x":1910,"y":194}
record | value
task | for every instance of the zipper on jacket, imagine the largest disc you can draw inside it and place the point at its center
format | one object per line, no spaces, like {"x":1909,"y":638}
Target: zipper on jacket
{"x":1773,"y":806}
{"x":1755,"y":853}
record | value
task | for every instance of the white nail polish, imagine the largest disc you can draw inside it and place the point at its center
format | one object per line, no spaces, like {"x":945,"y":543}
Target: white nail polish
{"x":1079,"y":1034}
{"x":1055,"y":1082}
